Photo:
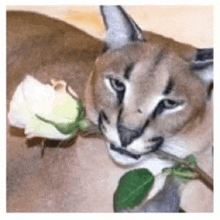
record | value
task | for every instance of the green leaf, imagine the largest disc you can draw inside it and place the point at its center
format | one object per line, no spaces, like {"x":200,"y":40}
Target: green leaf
{"x":132,"y":188}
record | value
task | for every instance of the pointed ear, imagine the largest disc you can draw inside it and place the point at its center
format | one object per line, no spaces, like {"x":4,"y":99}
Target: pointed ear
{"x":202,"y":66}
{"x":120,"y":27}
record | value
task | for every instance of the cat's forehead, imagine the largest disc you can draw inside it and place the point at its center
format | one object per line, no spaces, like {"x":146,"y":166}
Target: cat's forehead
{"x":141,"y":59}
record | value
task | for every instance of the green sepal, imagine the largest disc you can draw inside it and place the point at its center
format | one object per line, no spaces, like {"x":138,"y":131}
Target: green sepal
{"x":132,"y":189}
{"x":191,"y":160}
{"x":84,"y":125}
{"x":64,"y":128}
{"x":73,"y":127}
{"x":183,"y":173}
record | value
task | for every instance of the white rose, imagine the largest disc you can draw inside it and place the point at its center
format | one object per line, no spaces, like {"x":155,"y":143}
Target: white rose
{"x":47,"y":111}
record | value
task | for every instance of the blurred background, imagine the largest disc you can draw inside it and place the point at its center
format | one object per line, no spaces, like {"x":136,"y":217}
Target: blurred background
{"x":191,"y":24}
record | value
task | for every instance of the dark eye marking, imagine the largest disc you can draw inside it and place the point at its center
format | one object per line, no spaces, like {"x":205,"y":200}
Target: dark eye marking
{"x":166,"y":104}
{"x":169,"y":87}
{"x":117,"y":85}
{"x":119,"y":88}
{"x":127,"y":71}
{"x":159,"y":109}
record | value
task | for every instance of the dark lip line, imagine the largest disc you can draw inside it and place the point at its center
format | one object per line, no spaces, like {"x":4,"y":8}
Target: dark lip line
{"x":123,"y":151}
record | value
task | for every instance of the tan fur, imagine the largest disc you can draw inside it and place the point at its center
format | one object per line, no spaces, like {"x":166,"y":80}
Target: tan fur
{"x":82,"y":178}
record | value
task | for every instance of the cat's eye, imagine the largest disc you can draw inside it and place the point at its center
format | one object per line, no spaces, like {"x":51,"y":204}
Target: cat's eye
{"x":166,"y":104}
{"x":169,"y":103}
{"x":117,"y":85}
{"x":119,"y":88}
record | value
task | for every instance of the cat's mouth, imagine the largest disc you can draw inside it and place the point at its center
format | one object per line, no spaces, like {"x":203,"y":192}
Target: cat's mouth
{"x":123,"y":151}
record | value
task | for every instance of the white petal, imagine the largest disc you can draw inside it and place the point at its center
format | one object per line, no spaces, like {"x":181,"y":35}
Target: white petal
{"x":65,"y":106}
{"x":38,"y":95}
{"x":19,"y":113}
{"x":38,"y":128}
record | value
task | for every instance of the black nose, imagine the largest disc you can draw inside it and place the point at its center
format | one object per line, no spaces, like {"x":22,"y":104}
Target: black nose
{"x":127,"y":136}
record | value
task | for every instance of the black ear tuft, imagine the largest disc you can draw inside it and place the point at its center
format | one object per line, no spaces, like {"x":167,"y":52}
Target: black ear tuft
{"x":202,"y":66}
{"x":204,"y":54}
{"x":120,"y":27}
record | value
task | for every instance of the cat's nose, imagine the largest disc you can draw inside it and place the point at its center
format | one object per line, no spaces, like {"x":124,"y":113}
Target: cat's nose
{"x":127,"y":135}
